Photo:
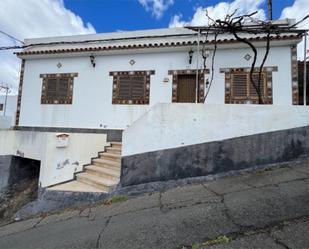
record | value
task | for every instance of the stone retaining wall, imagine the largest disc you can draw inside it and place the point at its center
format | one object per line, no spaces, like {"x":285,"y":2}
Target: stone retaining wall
{"x":216,"y":157}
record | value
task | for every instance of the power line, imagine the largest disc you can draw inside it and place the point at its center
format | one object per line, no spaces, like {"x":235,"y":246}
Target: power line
{"x":11,"y":47}
{"x":246,"y":29}
{"x":12,"y":37}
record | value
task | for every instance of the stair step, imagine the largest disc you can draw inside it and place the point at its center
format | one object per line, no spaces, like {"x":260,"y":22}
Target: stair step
{"x":96,"y":181}
{"x":106,"y":173}
{"x":107,"y":167}
{"x":103,"y":162}
{"x":113,"y":150}
{"x":111,"y":156}
{"x":116,"y":144}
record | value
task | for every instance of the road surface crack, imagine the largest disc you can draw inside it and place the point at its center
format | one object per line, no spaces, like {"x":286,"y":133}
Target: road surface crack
{"x":102,"y":231}
{"x":39,"y":221}
{"x":278,"y":242}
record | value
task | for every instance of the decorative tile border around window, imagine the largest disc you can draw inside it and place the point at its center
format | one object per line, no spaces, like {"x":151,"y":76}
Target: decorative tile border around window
{"x":228,"y":83}
{"x":20,"y":89}
{"x":143,"y":100}
{"x":294,"y":66}
{"x":201,"y":82}
{"x":63,"y":100}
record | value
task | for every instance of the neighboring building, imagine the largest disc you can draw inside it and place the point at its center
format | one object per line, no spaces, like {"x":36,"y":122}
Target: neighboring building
{"x":79,"y":93}
{"x":301,"y":82}
{"x":8,"y":107}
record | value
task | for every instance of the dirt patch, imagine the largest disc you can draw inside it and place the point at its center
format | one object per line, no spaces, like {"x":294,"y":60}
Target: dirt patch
{"x":19,"y":195}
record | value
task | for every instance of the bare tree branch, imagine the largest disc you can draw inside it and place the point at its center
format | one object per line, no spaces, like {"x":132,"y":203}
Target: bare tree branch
{"x":235,"y":25}
{"x":212,"y":67}
{"x":263,"y":62}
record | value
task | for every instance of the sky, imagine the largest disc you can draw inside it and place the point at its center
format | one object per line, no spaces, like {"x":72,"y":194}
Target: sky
{"x":113,"y":15}
{"x":42,"y":18}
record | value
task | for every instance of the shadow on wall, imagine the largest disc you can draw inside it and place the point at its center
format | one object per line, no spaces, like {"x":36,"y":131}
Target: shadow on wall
{"x":216,"y":157}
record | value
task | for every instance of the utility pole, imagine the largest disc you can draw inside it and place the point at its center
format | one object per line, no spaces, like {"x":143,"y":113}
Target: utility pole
{"x":305,"y":69}
{"x":270,"y":10}
{"x":6,"y":100}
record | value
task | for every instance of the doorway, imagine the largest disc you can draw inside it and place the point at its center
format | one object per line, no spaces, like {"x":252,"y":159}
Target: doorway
{"x":186,"y":88}
{"x":184,"y":85}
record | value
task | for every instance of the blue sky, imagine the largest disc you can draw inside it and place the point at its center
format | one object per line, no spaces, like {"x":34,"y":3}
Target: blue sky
{"x":113,"y":15}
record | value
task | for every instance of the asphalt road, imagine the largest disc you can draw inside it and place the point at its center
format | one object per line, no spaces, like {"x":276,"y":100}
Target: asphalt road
{"x":260,"y":210}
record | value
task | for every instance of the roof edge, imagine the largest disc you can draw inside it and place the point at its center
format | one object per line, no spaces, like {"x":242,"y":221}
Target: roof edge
{"x":296,"y":38}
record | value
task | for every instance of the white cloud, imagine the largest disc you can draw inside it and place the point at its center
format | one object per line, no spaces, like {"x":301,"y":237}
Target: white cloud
{"x":298,"y":11}
{"x":177,"y":21}
{"x":30,"y":19}
{"x":156,"y":7}
{"x":219,"y":11}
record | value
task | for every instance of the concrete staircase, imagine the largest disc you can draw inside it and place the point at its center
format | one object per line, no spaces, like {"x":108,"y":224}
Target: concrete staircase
{"x":104,"y":172}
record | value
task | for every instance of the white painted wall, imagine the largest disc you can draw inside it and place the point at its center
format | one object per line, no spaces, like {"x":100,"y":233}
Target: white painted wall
{"x":5,"y":122}
{"x":175,"y":125}
{"x":92,"y":96}
{"x":10,"y":108}
{"x":42,"y":146}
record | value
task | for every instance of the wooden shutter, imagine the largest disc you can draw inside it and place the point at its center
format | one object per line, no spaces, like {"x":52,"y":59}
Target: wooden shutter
{"x":131,"y":87}
{"x":124,"y":87}
{"x":51,"y":90}
{"x":253,"y":92}
{"x":137,"y":87}
{"x":240,"y":86}
{"x":63,"y":88}
{"x":57,"y":88}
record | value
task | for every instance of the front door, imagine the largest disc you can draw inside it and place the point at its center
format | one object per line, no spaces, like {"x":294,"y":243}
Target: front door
{"x":186,"y":88}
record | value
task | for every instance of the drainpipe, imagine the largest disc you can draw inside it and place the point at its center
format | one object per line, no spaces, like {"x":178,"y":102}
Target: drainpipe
{"x":197,"y":66}
{"x":305,"y":70}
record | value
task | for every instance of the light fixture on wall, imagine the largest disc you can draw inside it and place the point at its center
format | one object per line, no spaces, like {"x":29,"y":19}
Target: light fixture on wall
{"x":190,"y":55}
{"x":92,"y":60}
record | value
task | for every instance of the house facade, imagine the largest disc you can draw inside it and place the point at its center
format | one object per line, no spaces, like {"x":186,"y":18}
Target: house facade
{"x":81,"y":96}
{"x":96,"y":76}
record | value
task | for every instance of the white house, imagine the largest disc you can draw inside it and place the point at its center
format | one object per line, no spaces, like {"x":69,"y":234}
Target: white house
{"x":97,"y":68}
{"x":78,"y":94}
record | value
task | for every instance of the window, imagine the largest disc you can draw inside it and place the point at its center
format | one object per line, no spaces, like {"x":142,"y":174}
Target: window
{"x":57,"y":88}
{"x":243,"y":89}
{"x":1,"y":107}
{"x":131,"y":87}
{"x":239,"y":88}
